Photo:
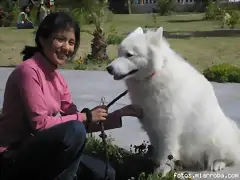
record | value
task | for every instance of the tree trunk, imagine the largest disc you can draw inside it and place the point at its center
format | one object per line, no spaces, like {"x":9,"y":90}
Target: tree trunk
{"x":99,"y":46}
{"x":129,"y":7}
{"x":218,"y":3}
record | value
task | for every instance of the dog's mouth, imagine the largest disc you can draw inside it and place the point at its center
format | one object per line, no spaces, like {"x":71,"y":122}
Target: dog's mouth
{"x":119,"y":77}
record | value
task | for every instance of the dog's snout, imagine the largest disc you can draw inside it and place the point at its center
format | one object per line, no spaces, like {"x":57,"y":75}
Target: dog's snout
{"x":110,"y":69}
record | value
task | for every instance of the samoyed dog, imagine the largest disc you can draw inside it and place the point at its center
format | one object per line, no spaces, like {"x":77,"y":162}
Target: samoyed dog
{"x":182,"y":116}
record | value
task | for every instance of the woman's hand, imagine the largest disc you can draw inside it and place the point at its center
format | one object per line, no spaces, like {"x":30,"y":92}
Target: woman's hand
{"x":99,"y":113}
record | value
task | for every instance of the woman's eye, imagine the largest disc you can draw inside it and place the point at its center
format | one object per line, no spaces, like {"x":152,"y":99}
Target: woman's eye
{"x":59,"y":39}
{"x":129,"y":55}
{"x":71,"y":43}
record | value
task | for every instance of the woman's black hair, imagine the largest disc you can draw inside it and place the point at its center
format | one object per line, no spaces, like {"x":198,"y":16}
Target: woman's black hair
{"x":24,"y":8}
{"x":52,"y":23}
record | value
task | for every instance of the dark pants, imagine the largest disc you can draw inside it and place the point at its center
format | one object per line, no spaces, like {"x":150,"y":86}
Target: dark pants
{"x":25,"y":25}
{"x":52,"y":154}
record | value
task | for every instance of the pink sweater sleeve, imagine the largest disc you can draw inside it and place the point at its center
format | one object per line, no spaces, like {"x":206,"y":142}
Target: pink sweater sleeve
{"x":33,"y":99}
{"x":67,"y":105}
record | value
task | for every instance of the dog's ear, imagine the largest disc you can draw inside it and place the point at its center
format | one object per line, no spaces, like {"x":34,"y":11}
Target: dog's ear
{"x":137,"y":31}
{"x":159,"y":33}
{"x":158,"y":36}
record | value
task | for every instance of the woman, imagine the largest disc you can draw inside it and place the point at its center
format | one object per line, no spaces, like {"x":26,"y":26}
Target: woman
{"x":43,"y":11}
{"x":37,"y":144}
{"x":23,"y":22}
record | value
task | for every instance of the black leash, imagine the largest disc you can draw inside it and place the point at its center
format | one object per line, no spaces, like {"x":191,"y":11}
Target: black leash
{"x":117,"y":98}
{"x":103,"y":135}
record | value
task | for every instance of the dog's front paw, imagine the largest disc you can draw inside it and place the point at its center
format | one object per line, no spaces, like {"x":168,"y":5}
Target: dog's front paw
{"x":218,"y":165}
{"x":164,"y":169}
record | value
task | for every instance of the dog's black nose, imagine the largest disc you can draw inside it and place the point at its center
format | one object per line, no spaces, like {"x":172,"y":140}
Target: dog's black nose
{"x":110,"y":69}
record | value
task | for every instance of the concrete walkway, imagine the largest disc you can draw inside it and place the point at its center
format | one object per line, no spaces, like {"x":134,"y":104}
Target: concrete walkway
{"x":88,"y":87}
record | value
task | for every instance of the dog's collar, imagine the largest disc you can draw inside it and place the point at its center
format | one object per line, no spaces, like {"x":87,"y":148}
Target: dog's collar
{"x":151,"y":75}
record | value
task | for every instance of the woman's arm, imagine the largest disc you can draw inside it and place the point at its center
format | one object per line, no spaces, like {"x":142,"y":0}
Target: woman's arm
{"x":34,"y":101}
{"x":67,"y":105}
{"x":129,"y":110}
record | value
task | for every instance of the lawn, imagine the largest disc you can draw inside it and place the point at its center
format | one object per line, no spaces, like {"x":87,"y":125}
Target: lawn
{"x":201,"y":51}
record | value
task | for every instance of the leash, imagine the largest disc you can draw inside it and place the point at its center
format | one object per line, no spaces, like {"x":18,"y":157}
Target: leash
{"x":103,"y":135}
{"x":117,"y":98}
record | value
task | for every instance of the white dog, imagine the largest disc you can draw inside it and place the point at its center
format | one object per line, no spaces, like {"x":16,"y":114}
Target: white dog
{"x":182,"y":116}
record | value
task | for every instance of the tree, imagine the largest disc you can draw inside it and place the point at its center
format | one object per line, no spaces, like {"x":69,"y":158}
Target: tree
{"x":98,"y":11}
{"x":129,"y":7}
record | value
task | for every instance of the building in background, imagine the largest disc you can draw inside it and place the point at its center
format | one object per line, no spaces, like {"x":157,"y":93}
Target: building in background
{"x":147,"y":6}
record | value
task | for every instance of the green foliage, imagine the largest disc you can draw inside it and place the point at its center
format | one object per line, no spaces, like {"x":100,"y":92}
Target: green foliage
{"x":88,"y":62}
{"x":223,"y":73}
{"x":154,"y":19}
{"x":95,"y":147}
{"x":227,"y":16}
{"x":80,"y":64}
{"x":82,"y":16}
{"x":8,"y":5}
{"x":97,"y":10}
{"x":113,"y":37}
{"x":233,"y":18}
{"x":11,"y":12}
{"x":34,"y":16}
{"x":143,"y":176}
{"x":92,"y":5}
{"x":213,"y":12}
{"x":230,"y":18}
{"x":119,"y":158}
{"x":165,"y":6}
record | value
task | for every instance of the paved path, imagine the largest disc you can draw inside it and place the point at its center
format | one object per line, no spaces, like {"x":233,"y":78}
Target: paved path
{"x":88,"y":87}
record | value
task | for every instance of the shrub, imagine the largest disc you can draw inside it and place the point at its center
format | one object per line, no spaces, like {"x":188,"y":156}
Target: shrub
{"x":128,"y":165}
{"x":165,"y":6}
{"x":226,"y":15}
{"x":95,"y":147}
{"x":88,"y":62}
{"x":80,"y":64}
{"x":230,"y":18}
{"x":234,"y":19}
{"x":225,"y":19}
{"x":213,"y":12}
{"x":6,"y":19}
{"x":10,"y":14}
{"x":223,"y":73}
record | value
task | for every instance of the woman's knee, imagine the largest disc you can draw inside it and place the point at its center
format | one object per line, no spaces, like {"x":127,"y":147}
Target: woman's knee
{"x":75,"y":133}
{"x":64,"y":135}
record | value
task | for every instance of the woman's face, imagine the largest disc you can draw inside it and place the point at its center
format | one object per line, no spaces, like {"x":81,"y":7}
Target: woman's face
{"x":27,"y":9}
{"x":59,"y":47}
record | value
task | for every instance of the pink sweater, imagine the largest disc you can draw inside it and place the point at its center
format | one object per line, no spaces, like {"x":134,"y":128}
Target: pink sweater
{"x":37,"y":90}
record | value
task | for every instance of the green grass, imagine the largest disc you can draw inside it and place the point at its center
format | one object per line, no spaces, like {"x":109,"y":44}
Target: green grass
{"x":201,"y":52}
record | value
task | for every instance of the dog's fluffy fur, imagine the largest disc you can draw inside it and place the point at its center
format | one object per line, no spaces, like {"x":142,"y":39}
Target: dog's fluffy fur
{"x":182,"y":116}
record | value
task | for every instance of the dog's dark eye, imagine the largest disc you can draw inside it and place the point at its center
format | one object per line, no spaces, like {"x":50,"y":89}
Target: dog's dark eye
{"x":129,"y":54}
